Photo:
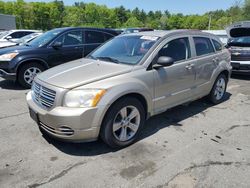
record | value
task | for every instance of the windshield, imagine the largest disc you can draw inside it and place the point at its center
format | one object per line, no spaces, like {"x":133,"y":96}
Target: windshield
{"x":44,"y":38}
{"x":26,"y":38}
{"x":240,"y":41}
{"x":125,"y":49}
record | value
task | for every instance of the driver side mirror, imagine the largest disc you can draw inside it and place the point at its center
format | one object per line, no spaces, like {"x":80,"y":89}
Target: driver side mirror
{"x":57,"y":44}
{"x":164,"y":61}
{"x":8,"y":37}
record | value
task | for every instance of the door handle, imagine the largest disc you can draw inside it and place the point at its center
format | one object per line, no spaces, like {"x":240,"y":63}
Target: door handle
{"x":189,"y":66}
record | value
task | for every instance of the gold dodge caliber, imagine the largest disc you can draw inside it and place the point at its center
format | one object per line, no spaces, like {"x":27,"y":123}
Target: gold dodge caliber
{"x":113,"y":91}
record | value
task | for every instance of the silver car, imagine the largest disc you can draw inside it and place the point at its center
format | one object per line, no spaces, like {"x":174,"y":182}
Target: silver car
{"x":132,"y":77}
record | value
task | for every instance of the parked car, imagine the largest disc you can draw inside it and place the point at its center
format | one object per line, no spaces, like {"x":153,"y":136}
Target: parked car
{"x":116,"y":88}
{"x":15,"y":34}
{"x":239,"y":46}
{"x":20,"y":41}
{"x":22,"y":63}
{"x":136,"y":30}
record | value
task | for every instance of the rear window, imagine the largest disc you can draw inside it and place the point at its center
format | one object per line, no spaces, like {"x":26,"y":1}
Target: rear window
{"x":203,"y":46}
{"x":217,"y":45}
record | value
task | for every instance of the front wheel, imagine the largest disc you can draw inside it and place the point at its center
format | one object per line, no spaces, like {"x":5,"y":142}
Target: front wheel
{"x":218,"y":91}
{"x":27,"y":74}
{"x":123,"y":123}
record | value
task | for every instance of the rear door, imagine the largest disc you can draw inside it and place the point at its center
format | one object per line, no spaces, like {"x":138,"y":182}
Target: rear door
{"x":173,"y":84}
{"x":71,"y":49}
{"x":93,"y":39}
{"x":206,"y":63}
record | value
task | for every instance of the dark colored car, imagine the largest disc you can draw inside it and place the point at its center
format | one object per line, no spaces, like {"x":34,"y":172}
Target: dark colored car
{"x":23,"y":63}
{"x":239,"y":46}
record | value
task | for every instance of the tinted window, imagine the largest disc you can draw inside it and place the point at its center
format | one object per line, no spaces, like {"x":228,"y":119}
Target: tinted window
{"x":19,"y":34}
{"x":203,"y":46}
{"x":178,"y":49}
{"x":217,"y":45}
{"x":94,"y":37}
{"x":71,"y":38}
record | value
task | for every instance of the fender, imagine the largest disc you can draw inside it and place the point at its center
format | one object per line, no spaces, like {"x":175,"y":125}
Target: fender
{"x":44,"y":63}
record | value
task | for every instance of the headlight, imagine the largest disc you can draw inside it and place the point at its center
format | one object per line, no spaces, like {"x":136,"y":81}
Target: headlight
{"x":8,"y":57}
{"x":83,"y":98}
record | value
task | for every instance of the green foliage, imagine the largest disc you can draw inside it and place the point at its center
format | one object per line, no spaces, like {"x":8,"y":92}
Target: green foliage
{"x":45,"y":16}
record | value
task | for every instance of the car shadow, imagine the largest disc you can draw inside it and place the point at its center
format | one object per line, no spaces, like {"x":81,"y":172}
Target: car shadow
{"x":172,"y":117}
{"x":10,"y":85}
{"x":241,"y":76}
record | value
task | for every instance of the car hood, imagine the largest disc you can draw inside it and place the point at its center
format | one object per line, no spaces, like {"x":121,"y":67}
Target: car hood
{"x":82,"y":72}
{"x":240,"y":29}
{"x":14,"y":49}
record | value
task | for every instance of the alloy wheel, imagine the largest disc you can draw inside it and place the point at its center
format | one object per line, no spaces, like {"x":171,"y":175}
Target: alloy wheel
{"x":126,"y":123}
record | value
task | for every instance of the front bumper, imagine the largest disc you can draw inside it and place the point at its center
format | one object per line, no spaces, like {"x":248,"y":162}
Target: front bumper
{"x":240,"y":67}
{"x":68,"y":124}
{"x":6,"y":75}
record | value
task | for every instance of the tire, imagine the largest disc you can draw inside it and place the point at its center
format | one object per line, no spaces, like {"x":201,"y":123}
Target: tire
{"x":29,"y":69}
{"x":218,"y":91}
{"x":118,"y":116}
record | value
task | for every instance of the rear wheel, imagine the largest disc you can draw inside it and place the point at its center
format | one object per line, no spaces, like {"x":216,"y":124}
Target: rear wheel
{"x":123,"y":123}
{"x":28,"y":72}
{"x":218,"y":91}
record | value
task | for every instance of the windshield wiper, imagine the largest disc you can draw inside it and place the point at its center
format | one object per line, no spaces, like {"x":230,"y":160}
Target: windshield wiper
{"x":110,"y":59}
{"x":25,"y":43}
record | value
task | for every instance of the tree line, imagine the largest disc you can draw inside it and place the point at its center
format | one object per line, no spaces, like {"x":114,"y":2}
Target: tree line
{"x":46,"y":16}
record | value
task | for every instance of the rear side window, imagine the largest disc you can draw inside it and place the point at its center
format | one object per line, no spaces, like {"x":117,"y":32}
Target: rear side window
{"x":19,"y":34}
{"x":217,"y":45}
{"x":178,"y":49}
{"x":93,"y":37}
{"x":203,"y":46}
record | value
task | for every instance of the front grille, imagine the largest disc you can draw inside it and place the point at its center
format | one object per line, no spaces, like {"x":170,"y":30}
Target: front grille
{"x":238,"y":66}
{"x":240,"y":58}
{"x":43,"y":96}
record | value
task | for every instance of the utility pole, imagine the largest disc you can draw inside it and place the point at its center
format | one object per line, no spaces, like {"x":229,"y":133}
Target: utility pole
{"x":209,"y":23}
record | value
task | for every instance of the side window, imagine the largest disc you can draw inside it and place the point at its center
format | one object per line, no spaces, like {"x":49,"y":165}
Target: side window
{"x":217,"y":45}
{"x":17,"y":34}
{"x":178,"y":49}
{"x":71,"y":38}
{"x":94,"y":37}
{"x":203,"y":46}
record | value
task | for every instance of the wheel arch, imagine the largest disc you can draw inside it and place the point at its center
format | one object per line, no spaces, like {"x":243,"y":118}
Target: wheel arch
{"x":32,"y":60}
{"x":140,"y":97}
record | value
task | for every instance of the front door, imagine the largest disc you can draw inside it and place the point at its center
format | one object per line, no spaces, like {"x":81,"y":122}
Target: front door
{"x":71,"y":49}
{"x":173,"y":84}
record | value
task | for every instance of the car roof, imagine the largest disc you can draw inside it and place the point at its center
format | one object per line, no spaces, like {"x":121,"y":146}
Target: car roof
{"x":112,"y":31}
{"x":167,"y":33}
{"x":14,"y":30}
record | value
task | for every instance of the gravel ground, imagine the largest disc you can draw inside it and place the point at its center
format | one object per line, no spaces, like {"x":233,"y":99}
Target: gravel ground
{"x":198,"y":145}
